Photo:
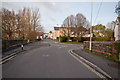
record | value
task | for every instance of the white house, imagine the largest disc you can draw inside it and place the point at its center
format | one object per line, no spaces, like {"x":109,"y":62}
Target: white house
{"x":117,"y":29}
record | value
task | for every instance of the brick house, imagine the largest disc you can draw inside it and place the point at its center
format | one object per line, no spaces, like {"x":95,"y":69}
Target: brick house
{"x":55,"y":33}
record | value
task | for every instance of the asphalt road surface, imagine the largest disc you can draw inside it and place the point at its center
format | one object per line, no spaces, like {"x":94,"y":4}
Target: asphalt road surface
{"x":47,"y":59}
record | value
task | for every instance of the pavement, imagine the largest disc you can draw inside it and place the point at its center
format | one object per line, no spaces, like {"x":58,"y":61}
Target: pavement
{"x":47,"y":59}
{"x":26,"y":48}
{"x":110,"y":67}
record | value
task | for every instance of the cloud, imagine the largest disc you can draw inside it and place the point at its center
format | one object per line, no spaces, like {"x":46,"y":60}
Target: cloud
{"x":10,"y":5}
{"x":58,"y":0}
{"x":48,"y":9}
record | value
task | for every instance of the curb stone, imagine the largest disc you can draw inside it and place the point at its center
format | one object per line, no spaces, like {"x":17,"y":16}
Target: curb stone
{"x":95,"y":67}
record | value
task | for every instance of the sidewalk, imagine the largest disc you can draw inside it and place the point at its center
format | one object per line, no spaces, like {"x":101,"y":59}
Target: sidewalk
{"x":106,"y":65}
{"x":16,"y":50}
{"x":27,"y":47}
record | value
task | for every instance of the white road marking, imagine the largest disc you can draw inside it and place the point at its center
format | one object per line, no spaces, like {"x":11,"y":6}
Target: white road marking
{"x":46,"y":55}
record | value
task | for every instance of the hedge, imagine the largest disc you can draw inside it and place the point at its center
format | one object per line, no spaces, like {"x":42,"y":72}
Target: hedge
{"x":102,"y":39}
{"x":63,"y":39}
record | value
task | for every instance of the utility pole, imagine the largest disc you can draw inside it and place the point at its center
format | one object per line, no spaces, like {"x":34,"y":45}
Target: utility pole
{"x":68,"y":29}
{"x":90,"y":48}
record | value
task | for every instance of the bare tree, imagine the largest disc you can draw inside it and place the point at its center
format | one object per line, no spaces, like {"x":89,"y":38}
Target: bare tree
{"x":35,"y":22}
{"x":25,"y":24}
{"x":76,"y":25}
{"x":80,"y":29}
{"x":72,"y":21}
{"x":111,"y":25}
{"x":80,"y":20}
{"x":7,"y":24}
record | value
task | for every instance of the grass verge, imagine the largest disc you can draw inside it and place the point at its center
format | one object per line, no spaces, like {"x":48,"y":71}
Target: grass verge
{"x":110,"y":57}
{"x":74,"y":42}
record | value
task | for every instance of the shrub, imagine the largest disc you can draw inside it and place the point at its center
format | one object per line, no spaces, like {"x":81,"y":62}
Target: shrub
{"x":82,"y":39}
{"x":63,"y":39}
{"x":57,"y":37}
{"x":73,"y":38}
{"x":20,"y":38}
{"x":117,"y":47}
{"x":39,"y":39}
{"x":86,"y":39}
{"x":101,"y":39}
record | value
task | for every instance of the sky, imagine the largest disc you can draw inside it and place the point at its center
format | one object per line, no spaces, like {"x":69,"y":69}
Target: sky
{"x":53,"y":13}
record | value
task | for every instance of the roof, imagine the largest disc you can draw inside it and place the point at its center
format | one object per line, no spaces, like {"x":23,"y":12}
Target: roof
{"x":50,"y":32}
{"x":118,"y":18}
{"x":56,"y":28}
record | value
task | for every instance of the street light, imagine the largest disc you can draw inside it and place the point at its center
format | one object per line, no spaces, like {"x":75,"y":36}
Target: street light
{"x":90,"y":48}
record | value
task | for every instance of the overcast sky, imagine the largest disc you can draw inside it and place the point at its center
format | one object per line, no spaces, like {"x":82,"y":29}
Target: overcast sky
{"x":53,"y":13}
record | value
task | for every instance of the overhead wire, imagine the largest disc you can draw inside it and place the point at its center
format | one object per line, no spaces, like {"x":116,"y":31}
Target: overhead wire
{"x":98,"y":11}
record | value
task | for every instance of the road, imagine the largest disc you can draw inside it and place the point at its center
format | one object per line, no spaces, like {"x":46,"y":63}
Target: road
{"x":49,"y":59}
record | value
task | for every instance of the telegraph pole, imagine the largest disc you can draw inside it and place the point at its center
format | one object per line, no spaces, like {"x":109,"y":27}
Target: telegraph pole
{"x":68,"y":29}
{"x":90,"y":47}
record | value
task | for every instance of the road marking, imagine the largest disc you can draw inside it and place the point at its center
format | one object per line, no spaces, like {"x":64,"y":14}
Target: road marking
{"x":7,"y":59}
{"x":98,"y":74}
{"x":46,"y":55}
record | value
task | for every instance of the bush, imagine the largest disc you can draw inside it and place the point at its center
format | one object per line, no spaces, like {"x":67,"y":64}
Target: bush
{"x":57,"y":37}
{"x":73,"y":38}
{"x":101,"y":39}
{"x":63,"y":39}
{"x":86,"y":39}
{"x":117,"y":47}
{"x":39,"y":39}
{"x":20,"y":38}
{"x":82,"y":39}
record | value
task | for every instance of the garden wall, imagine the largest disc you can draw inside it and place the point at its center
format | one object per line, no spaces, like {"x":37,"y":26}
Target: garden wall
{"x":105,"y":47}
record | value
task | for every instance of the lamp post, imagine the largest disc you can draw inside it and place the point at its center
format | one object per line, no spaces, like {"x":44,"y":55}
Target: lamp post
{"x":90,"y":47}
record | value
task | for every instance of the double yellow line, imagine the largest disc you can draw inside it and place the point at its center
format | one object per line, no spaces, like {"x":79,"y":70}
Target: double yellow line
{"x":7,"y":59}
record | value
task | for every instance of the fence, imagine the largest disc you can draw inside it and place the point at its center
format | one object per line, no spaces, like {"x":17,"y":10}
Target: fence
{"x":11,"y":44}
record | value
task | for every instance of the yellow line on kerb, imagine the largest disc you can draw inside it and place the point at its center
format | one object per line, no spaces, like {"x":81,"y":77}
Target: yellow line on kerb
{"x":98,"y":74}
{"x":7,"y":59}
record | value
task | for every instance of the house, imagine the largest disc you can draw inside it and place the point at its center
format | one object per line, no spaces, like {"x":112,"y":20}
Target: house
{"x":56,"y":33}
{"x":62,"y":31}
{"x":50,"y":35}
{"x":117,"y":29}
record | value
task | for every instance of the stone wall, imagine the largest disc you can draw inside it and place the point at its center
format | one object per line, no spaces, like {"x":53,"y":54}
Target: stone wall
{"x":104,"y":47}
